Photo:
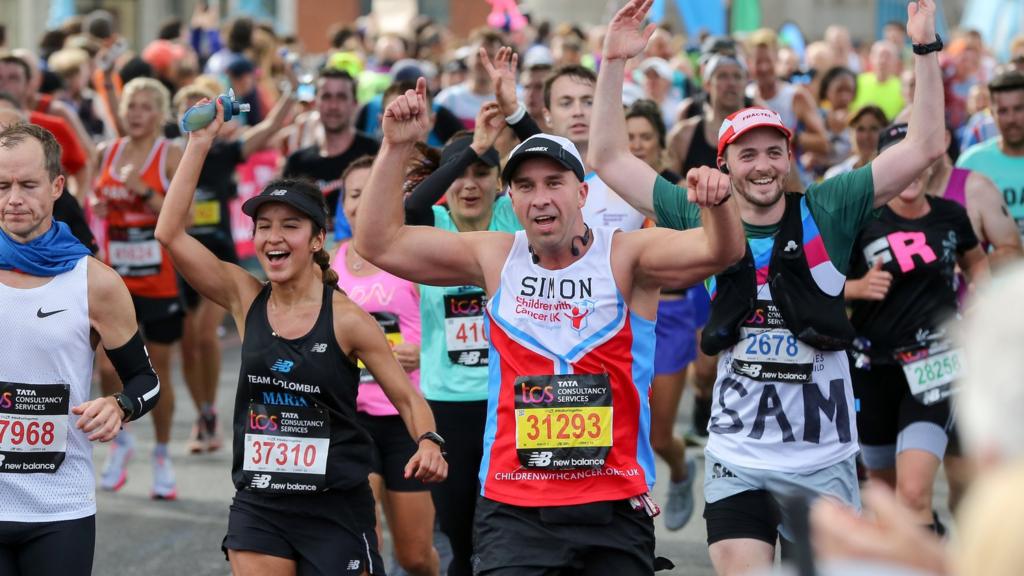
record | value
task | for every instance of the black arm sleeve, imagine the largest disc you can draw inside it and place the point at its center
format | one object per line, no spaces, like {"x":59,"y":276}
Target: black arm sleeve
{"x":140,"y":381}
{"x":525,"y":128}
{"x":419,"y":206}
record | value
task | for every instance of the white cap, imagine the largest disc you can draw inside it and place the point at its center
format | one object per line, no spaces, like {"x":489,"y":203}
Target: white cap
{"x":660,"y":66}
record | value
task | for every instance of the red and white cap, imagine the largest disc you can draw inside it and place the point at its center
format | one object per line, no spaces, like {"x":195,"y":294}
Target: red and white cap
{"x":739,"y":123}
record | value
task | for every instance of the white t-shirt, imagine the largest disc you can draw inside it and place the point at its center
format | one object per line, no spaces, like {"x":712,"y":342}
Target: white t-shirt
{"x":606,"y":208}
{"x":462,"y":102}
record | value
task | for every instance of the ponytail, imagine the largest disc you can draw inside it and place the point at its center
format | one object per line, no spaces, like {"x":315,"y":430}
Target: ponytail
{"x":323,"y":260}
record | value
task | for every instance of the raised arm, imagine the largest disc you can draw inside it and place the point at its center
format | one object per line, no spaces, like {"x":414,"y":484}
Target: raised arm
{"x":503,"y":79}
{"x":227,"y":284}
{"x":896,"y":167}
{"x":419,"y":205}
{"x":417,"y":253}
{"x":680,"y":258}
{"x":630,"y":177}
{"x":257,"y":137}
{"x":814,"y":136}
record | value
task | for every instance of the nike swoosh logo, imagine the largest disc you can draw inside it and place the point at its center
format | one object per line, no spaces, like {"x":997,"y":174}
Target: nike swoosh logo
{"x":42,"y":314}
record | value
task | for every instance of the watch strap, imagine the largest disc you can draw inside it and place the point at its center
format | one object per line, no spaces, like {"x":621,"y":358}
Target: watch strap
{"x":922,"y":49}
{"x":126,"y":405}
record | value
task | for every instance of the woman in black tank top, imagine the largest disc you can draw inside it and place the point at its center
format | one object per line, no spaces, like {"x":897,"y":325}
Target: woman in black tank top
{"x":300,"y":461}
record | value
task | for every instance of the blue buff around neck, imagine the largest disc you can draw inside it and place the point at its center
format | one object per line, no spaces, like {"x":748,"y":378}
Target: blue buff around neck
{"x":55,"y":252}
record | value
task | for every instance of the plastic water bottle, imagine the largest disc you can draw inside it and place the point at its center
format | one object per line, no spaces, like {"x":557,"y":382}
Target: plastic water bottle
{"x":200,"y":115}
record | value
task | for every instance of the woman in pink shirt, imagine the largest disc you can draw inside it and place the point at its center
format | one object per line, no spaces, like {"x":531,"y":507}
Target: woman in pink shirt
{"x":395,"y":304}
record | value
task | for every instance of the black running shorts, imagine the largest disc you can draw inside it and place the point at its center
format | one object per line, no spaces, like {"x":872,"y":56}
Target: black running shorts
{"x":327,"y":533}
{"x":599,"y":538}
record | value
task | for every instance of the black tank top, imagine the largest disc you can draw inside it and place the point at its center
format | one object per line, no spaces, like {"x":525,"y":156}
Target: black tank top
{"x":700,"y":153}
{"x":295,"y":399}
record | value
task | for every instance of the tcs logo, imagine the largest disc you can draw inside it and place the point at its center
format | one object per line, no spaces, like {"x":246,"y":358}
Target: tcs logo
{"x":536,"y":394}
{"x":262,"y":422}
{"x":5,"y":400}
{"x":466,"y":306}
{"x":757,"y":317}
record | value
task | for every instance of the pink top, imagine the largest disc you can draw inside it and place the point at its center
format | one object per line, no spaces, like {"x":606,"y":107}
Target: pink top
{"x":395,"y":304}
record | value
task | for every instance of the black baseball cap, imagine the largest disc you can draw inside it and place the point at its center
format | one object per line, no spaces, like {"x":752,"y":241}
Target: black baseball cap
{"x":455,"y":147}
{"x":557,"y":148}
{"x":288,"y":193}
{"x":891,"y":135}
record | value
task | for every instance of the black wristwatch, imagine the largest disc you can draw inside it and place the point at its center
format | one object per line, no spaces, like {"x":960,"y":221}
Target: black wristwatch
{"x":126,"y":405}
{"x":433,"y":437}
{"x":922,"y":49}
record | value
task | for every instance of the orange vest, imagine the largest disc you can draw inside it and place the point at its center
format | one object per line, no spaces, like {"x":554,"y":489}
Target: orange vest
{"x":131,"y":247}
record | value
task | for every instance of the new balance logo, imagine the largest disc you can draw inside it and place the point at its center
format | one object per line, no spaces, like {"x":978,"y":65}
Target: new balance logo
{"x":282,"y":366}
{"x":2,"y":458}
{"x":752,"y":370}
{"x":279,"y":192}
{"x":539,"y":459}
{"x":260,"y":481}
{"x":319,"y":348}
{"x":41,"y":314}
{"x":353,"y":565}
{"x":469,"y":358}
{"x":790,"y":246}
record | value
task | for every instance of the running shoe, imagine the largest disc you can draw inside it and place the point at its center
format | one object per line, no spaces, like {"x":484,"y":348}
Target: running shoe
{"x":679,"y":507}
{"x":164,"y":486}
{"x":198,"y":440}
{"x":211,"y":428}
{"x":115,"y":471}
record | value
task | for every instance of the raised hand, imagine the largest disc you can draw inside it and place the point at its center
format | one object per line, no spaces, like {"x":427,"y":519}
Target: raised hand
{"x":627,"y":36}
{"x":490,"y":121}
{"x":407,"y":118}
{"x":503,"y":77}
{"x":707,"y":187}
{"x":921,"y":21}
{"x":209,"y":132}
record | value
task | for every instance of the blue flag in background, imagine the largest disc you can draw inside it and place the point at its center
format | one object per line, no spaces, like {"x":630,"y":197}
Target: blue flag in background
{"x":998,"y":21}
{"x":896,"y":11}
{"x":703,"y":15}
{"x":60,"y":11}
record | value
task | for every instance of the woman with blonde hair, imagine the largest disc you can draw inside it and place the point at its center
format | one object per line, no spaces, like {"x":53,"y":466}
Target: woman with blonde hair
{"x":134,"y":173}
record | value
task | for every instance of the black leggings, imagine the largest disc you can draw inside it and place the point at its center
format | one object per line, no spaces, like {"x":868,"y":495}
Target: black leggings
{"x":63,"y":548}
{"x":462,"y":426}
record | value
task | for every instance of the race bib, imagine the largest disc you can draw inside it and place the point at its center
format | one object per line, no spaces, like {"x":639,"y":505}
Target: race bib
{"x":464,"y":328}
{"x":389,"y":324}
{"x":206,"y":213}
{"x":33,"y":427}
{"x":767,"y":351}
{"x":286,"y":449}
{"x":563,"y":422}
{"x":930,"y":372}
{"x":134,"y":251}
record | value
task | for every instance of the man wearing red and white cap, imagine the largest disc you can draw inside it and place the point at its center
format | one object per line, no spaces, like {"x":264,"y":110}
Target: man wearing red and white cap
{"x":783,"y":421}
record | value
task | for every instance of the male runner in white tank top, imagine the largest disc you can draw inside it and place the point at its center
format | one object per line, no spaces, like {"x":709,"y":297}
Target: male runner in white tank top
{"x":57,"y":303}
